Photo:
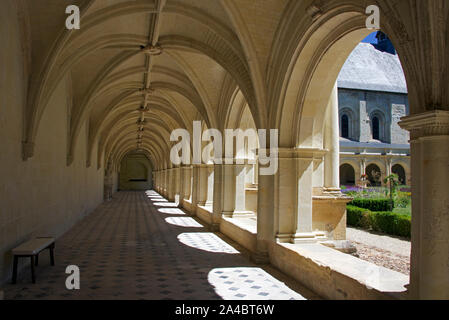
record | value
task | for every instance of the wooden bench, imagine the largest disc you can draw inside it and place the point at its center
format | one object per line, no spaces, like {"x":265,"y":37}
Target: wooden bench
{"x":31,"y":249}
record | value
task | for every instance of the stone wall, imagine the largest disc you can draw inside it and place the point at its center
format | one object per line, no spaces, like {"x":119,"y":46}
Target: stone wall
{"x":362,"y":105}
{"x":41,"y":196}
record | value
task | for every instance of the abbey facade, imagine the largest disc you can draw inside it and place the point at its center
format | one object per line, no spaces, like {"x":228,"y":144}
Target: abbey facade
{"x":372,"y":100}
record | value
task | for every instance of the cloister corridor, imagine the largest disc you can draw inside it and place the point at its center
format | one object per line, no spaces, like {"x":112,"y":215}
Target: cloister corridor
{"x":229,"y":110}
{"x":140,"y":246}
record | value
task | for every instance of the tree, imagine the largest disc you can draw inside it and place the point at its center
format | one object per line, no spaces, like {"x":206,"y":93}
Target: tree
{"x":393,"y":182}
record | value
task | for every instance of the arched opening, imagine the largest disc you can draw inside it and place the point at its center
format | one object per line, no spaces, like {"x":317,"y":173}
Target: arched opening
{"x":347,"y":175}
{"x":376,"y":128}
{"x":374,"y":175}
{"x":135,"y":173}
{"x":400,"y":171}
{"x":345,"y":126}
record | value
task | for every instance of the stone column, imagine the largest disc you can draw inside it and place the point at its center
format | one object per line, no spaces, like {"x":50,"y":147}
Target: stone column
{"x":295,"y":191}
{"x":184,"y":184}
{"x":265,"y":217}
{"x":170,"y":185}
{"x":219,"y":195}
{"x":240,"y":189}
{"x":195,"y":184}
{"x":202,"y":185}
{"x":233,"y":184}
{"x":429,"y":133}
{"x":332,"y":144}
{"x":165,"y":183}
{"x":176,"y":185}
{"x":210,"y":185}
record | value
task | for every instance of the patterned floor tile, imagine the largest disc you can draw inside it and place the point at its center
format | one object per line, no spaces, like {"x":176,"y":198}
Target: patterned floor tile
{"x":140,"y":246}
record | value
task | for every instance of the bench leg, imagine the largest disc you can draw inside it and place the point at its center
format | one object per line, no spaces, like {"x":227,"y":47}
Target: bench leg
{"x":14,"y":270}
{"x":52,"y":255}
{"x":33,"y":276}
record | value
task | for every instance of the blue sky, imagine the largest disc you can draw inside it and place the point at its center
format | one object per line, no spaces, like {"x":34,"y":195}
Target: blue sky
{"x":371,"y":38}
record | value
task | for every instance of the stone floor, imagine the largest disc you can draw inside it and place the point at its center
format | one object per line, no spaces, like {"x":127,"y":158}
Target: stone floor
{"x":139,"y":246}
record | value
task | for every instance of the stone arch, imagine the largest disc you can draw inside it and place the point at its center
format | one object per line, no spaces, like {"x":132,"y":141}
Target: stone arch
{"x":135,"y":172}
{"x":400,"y":171}
{"x":374,"y":174}
{"x":347,"y":174}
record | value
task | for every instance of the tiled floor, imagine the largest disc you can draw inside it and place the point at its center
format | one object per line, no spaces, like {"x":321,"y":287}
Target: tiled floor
{"x":139,"y":246}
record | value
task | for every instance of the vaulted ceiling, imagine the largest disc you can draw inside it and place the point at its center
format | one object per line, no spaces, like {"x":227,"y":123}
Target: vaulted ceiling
{"x":138,"y":69}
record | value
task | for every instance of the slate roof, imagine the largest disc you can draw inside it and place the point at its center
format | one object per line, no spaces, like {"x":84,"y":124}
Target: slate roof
{"x":370,"y":69}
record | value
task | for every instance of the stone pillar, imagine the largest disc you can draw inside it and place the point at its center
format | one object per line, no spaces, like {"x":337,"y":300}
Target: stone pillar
{"x":362,"y":168}
{"x":210,"y":185}
{"x":195,"y":185}
{"x":184,"y":187}
{"x":165,"y":183}
{"x":429,"y":133}
{"x":170,"y":185}
{"x":233,"y":193}
{"x":177,"y":185}
{"x":295,"y":191}
{"x":332,"y":144}
{"x":201,"y":196}
{"x":220,"y":195}
{"x":265,"y":217}
{"x":240,"y":189}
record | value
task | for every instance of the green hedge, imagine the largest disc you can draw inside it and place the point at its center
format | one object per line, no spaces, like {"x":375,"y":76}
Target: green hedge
{"x":372,"y":204}
{"x":387,"y":222}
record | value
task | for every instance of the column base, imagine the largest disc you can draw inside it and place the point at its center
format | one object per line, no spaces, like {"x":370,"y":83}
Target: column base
{"x":238,"y":214}
{"x":260,"y":258}
{"x":303,"y":237}
{"x":214,"y":227}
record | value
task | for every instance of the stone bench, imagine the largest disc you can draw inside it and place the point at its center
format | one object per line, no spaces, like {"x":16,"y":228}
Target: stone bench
{"x":31,"y":249}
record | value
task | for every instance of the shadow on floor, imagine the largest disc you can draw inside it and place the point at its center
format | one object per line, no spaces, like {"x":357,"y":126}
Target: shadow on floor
{"x":140,"y":246}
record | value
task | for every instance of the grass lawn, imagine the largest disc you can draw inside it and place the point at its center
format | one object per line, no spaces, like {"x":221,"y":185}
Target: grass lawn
{"x":407,"y":211}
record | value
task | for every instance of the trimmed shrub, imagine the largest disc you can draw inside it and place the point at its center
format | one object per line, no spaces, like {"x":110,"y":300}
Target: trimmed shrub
{"x":386,"y":222}
{"x":354,"y":215}
{"x":372,"y":204}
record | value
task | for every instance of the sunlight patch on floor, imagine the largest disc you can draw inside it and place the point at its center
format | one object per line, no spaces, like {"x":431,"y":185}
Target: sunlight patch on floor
{"x":183,"y":222}
{"x":246,"y":283}
{"x":206,"y":241}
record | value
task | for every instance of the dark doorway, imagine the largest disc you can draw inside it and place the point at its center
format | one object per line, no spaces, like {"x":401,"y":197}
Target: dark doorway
{"x":347,"y":175}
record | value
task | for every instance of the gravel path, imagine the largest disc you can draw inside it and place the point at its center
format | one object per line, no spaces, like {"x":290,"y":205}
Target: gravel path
{"x":386,"y":251}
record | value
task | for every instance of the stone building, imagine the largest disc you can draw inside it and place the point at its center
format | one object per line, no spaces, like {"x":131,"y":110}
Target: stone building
{"x":372,"y":98}
{"x":74,"y":103}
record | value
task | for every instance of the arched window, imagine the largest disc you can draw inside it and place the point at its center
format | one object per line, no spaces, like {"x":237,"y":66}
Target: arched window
{"x":376,"y":128}
{"x":345,"y":126}
{"x":399,"y":170}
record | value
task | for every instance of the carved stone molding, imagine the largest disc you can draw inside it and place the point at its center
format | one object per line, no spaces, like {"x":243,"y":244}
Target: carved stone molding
{"x":152,"y":50}
{"x":27,"y":150}
{"x":428,"y":124}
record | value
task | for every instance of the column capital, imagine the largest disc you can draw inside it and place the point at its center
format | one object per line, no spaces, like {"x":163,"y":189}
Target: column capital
{"x":428,"y":124}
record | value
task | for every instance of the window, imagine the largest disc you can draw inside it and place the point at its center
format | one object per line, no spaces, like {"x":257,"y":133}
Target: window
{"x":376,"y":128}
{"x":345,"y":126}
